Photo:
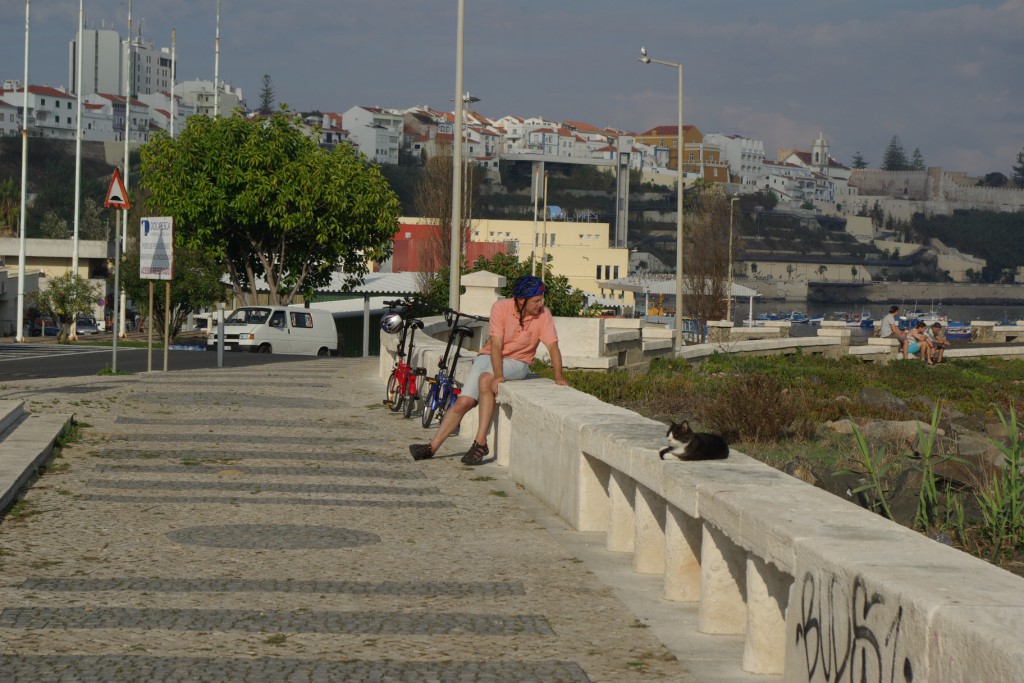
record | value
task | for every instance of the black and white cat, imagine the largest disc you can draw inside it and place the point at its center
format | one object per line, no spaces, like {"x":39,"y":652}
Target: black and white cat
{"x":686,"y":444}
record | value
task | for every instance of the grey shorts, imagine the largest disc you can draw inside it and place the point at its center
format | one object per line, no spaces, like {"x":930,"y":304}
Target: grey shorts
{"x":512,"y":369}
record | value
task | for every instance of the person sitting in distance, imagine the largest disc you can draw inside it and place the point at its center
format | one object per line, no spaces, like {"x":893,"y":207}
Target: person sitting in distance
{"x":891,"y":328}
{"x":919,"y":342}
{"x":938,"y":341}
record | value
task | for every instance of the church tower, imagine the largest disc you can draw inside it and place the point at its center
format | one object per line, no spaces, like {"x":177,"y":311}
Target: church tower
{"x":819,"y":154}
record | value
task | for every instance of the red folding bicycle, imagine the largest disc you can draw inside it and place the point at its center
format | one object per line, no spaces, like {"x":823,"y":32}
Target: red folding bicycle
{"x":403,"y":388}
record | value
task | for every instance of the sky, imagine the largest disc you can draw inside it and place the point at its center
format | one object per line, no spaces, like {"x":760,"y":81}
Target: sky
{"x":947,"y":77}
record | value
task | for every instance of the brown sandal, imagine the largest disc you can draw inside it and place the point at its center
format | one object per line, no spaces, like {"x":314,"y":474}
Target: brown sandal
{"x":475,"y":454}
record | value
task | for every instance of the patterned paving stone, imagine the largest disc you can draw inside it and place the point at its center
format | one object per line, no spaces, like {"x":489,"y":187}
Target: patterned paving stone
{"x":247,"y":438}
{"x":480,"y":589}
{"x":276,"y":621}
{"x":273,"y":536}
{"x":257,"y":500}
{"x":216,"y":468}
{"x":101,"y":669}
{"x":238,"y":400}
{"x":250,"y":486}
{"x":220,"y":455}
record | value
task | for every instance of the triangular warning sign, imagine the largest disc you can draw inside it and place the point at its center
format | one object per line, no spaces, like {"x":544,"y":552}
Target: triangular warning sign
{"x":117,"y":196}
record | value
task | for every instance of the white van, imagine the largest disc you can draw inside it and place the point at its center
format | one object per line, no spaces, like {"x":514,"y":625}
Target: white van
{"x":278,"y":329}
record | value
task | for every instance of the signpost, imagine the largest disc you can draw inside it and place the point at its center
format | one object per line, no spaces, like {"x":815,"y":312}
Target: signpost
{"x":117,"y":198}
{"x":156,"y":262}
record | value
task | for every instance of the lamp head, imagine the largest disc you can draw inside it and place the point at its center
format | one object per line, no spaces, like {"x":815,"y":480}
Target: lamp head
{"x":643,"y":56}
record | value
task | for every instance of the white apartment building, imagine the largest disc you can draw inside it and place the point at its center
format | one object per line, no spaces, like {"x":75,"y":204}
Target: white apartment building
{"x":52,"y":113}
{"x":10,"y":119}
{"x":113,"y":107}
{"x":199,"y":94}
{"x":791,"y":183}
{"x":97,"y":123}
{"x":102,"y":59}
{"x":159,"y":104}
{"x":151,"y":68}
{"x":745,"y":157}
{"x":376,"y":132}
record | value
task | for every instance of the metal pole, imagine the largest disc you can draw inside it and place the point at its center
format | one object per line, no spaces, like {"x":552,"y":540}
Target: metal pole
{"x":173,"y":112}
{"x":127,"y":138}
{"x":728,"y":314}
{"x":544,"y":234}
{"x":535,"y":190}
{"x":220,"y":335}
{"x":679,"y":211}
{"x":455,"y":263}
{"x":167,"y":321}
{"x":78,"y":145}
{"x":216,"y":66}
{"x":115,"y":333}
{"x":20,"y":333}
{"x":149,"y":330}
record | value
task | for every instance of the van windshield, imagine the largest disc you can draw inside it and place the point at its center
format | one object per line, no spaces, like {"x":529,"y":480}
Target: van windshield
{"x":249,"y":315}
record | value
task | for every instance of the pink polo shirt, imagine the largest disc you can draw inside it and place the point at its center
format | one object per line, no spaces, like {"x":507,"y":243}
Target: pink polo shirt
{"x":519,"y":341}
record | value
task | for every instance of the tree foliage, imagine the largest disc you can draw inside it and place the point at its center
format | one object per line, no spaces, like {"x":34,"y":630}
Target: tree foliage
{"x":196,"y":285}
{"x":917,"y":160}
{"x":269,"y":203}
{"x":993,"y":179}
{"x":267,"y":96}
{"x":706,"y":254}
{"x":64,"y":299}
{"x":895,"y":158}
{"x":1018,"y":170}
{"x":991,"y":235}
{"x":858,"y":160}
{"x":561,"y":298}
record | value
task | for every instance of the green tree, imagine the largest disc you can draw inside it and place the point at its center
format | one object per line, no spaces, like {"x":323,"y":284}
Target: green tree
{"x":269,"y":203}
{"x":917,"y":160}
{"x":1018,"y":170}
{"x":994,"y":179}
{"x":561,"y":298}
{"x":53,"y":227}
{"x":895,"y":158}
{"x":196,"y":284}
{"x":267,"y":96}
{"x":67,"y":297}
{"x":766,"y":198}
{"x":10,"y":205}
{"x":858,"y":160}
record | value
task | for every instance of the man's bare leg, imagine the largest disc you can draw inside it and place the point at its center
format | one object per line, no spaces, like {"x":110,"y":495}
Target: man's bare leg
{"x":452,"y":419}
{"x":487,"y":404}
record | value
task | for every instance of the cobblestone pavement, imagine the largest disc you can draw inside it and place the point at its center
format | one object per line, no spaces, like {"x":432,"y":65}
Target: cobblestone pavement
{"x":268,"y":524}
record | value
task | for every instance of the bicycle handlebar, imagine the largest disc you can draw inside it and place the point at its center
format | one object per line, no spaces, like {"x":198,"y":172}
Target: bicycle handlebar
{"x":450,"y":314}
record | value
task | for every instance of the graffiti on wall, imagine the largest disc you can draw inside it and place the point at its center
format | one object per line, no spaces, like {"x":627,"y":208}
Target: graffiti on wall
{"x":849,"y":633}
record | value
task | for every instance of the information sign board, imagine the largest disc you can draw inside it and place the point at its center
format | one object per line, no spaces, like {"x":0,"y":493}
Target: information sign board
{"x":156,"y":248}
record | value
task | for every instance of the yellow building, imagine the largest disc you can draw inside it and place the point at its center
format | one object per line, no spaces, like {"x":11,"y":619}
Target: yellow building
{"x":579,"y":251}
{"x":698,"y":157}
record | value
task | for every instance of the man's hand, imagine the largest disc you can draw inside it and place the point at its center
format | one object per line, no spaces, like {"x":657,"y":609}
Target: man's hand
{"x":495,"y":381}
{"x":561,"y":381}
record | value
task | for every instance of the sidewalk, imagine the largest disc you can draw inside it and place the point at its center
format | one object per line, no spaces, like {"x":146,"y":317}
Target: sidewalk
{"x":272,"y":526}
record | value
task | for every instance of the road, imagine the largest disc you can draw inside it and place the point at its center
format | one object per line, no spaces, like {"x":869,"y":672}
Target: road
{"x":46,"y":359}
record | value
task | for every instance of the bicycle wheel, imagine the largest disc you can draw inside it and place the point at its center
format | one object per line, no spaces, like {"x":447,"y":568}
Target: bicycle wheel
{"x":429,"y":405}
{"x":394,"y":396}
{"x":412,"y":399}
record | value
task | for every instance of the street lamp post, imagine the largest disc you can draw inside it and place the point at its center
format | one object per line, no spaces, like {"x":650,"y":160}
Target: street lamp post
{"x":455,"y":263}
{"x":728,"y":312}
{"x":679,"y":200}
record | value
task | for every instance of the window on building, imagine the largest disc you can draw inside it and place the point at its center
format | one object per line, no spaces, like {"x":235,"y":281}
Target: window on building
{"x":552,"y":239}
{"x":598,"y":276}
{"x":69,"y":105}
{"x":607,"y":272}
{"x":615,"y":272}
{"x":42,"y":102}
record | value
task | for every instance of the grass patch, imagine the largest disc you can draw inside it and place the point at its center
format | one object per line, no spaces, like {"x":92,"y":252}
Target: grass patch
{"x":276,"y":639}
{"x":482,"y":478}
{"x":110,"y":371}
{"x":499,"y":494}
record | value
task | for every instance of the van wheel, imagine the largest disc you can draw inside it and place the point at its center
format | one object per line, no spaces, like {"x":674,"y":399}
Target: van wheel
{"x":324,"y":351}
{"x":266,"y":348}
